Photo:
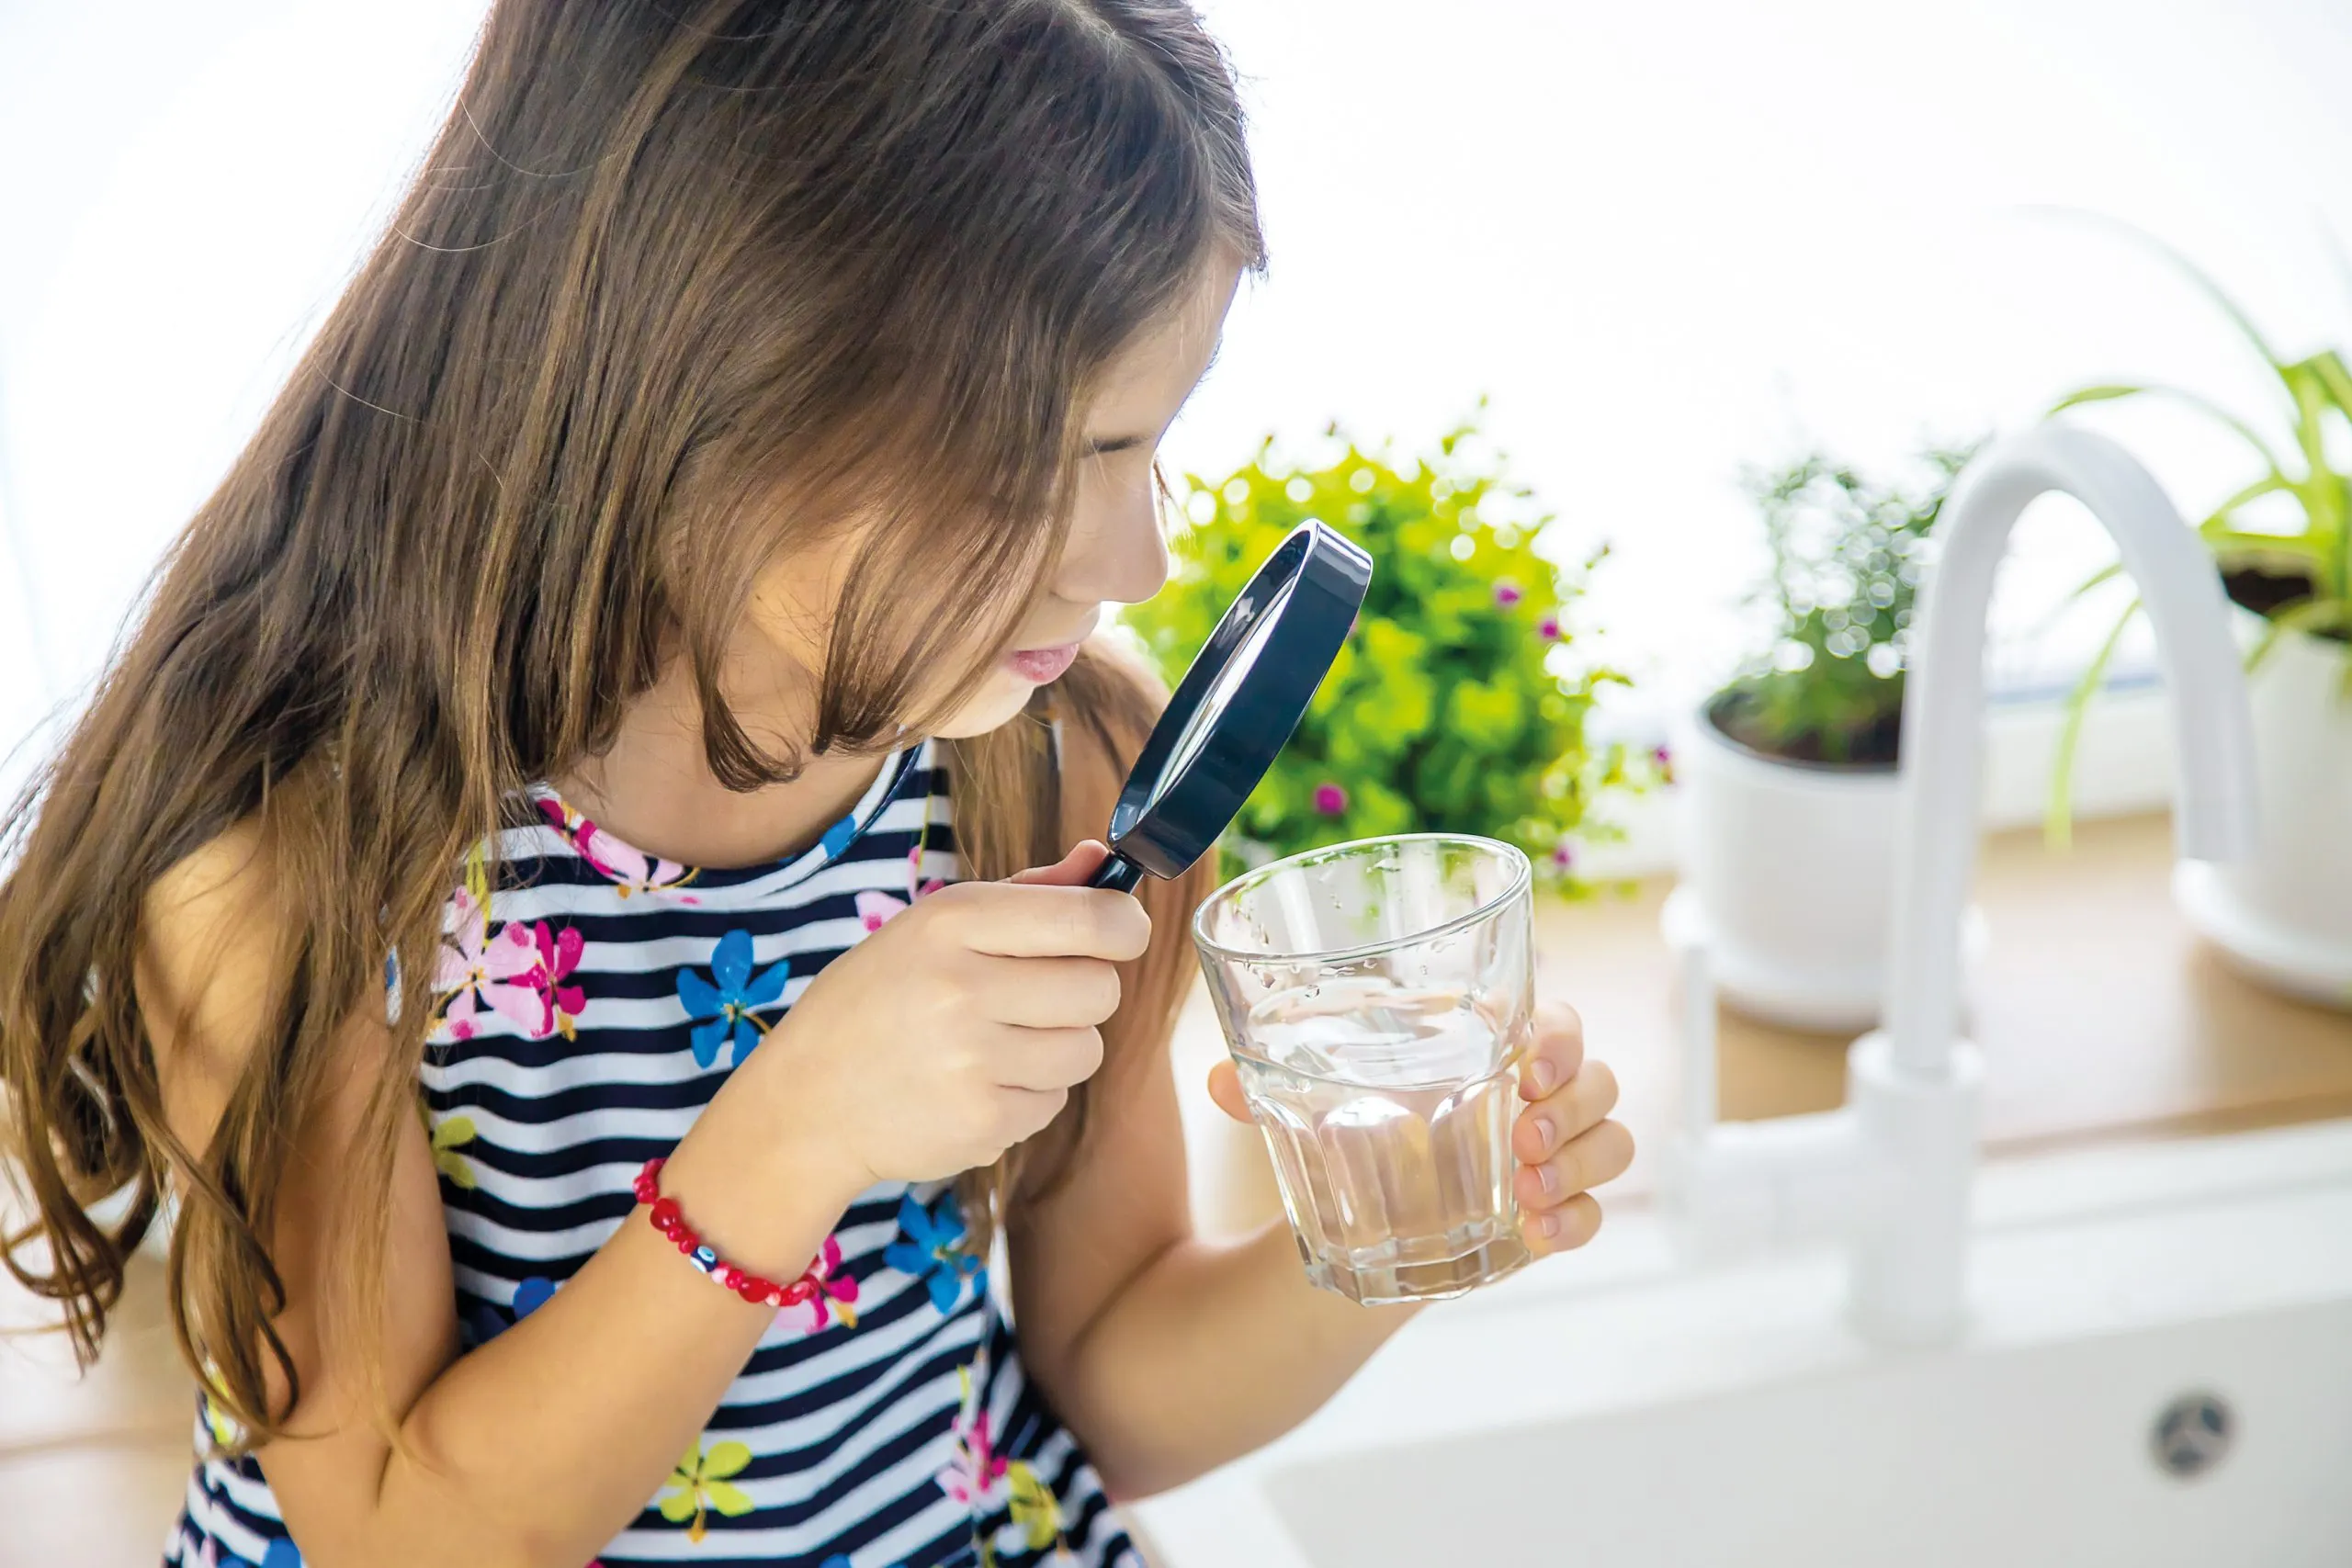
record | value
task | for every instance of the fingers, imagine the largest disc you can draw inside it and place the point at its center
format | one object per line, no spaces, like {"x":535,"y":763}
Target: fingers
{"x":1025,"y":1112}
{"x":1563,"y":1229}
{"x":1045,"y":1060}
{"x":1558,"y":1052}
{"x":1041,"y":993}
{"x":1543,"y":1126}
{"x":1598,"y":1156}
{"x":1224,"y":1088}
{"x":1039,"y":920}
{"x":1071,"y":871}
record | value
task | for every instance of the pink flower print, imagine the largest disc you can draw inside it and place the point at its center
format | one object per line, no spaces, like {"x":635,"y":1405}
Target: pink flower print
{"x":874,"y":909}
{"x":825,"y":1294}
{"x":630,"y":869}
{"x":478,"y":968}
{"x":558,"y":955}
{"x":976,"y":1474}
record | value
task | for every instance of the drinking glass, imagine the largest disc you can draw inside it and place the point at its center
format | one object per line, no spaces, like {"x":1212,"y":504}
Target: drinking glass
{"x":1377,"y":997}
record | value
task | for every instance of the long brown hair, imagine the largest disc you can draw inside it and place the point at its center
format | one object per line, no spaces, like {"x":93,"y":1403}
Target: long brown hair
{"x":677,"y":287}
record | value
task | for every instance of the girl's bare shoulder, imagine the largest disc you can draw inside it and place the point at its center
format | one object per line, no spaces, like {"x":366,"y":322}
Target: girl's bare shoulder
{"x":210,"y":936}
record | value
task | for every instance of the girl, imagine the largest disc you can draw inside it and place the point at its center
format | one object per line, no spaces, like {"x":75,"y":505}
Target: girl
{"x":506,"y":893}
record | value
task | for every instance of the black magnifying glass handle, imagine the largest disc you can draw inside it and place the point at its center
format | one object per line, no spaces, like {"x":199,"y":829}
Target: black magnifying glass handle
{"x":1116,"y":872}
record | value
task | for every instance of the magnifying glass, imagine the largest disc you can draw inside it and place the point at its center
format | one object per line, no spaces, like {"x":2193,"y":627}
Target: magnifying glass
{"x":1236,"y":705}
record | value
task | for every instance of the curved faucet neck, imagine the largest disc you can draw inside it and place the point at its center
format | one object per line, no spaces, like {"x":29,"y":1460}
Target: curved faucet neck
{"x":1944,"y":700}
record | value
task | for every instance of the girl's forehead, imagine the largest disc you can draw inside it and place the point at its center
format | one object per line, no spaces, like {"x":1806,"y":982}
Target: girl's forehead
{"x":1144,"y":385}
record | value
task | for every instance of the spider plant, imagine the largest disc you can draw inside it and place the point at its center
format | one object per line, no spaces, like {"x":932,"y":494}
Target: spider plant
{"x":2305,"y":570}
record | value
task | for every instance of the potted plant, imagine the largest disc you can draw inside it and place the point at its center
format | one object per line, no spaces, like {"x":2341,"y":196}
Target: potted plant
{"x":2284,"y":547}
{"x":1788,"y":773}
{"x":1455,"y":705}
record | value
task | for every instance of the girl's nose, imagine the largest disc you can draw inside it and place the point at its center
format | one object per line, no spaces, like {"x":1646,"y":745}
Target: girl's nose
{"x":1116,"y":555}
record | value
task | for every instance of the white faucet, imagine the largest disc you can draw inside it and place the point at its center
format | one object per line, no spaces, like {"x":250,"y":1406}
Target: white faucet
{"x":1889,"y":1172}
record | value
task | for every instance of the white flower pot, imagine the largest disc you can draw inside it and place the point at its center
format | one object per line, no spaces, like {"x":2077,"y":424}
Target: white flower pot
{"x":2284,"y":918}
{"x":1791,"y":868}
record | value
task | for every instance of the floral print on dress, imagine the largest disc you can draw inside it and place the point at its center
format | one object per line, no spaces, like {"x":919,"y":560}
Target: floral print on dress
{"x":515,"y":971}
{"x":450,"y":1134}
{"x":975,"y":1476}
{"x":731,"y":998}
{"x":628,"y":869}
{"x":828,"y":1293}
{"x":932,"y":1250}
{"x":478,"y":968}
{"x":875,"y":909}
{"x":700,"y":1485}
{"x":486,"y":1322}
{"x":982,"y":1480}
{"x":224,"y":1432}
{"x":559,"y":954}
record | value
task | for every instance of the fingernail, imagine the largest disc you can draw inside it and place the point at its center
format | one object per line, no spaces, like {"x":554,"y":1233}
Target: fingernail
{"x":1547,"y":1225}
{"x":1543,"y":1075}
{"x":1543,"y":1129}
{"x":1548,"y":1177}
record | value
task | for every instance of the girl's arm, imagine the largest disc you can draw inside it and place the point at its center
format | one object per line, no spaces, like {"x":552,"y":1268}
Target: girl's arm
{"x":1169,"y":1355}
{"x":536,"y":1449}
{"x":541,"y":1446}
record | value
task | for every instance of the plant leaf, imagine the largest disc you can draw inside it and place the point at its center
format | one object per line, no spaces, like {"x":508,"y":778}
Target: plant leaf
{"x":2058,"y":820}
{"x":2114,"y":391}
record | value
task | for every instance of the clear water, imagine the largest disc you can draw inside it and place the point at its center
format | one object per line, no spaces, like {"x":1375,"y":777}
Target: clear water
{"x":1387,"y":1109}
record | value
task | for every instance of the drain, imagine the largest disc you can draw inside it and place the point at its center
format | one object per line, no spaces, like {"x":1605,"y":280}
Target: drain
{"x":2192,"y":1434}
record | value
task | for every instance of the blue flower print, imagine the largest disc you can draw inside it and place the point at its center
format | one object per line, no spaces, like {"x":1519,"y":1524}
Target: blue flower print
{"x":841,"y":1559}
{"x":729,"y":1004}
{"x":932,"y":1250}
{"x":282,"y":1554}
{"x":486,"y":1322}
{"x":838,"y":836}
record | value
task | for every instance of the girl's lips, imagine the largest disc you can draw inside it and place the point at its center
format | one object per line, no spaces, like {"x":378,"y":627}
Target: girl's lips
{"x":1041,"y":665}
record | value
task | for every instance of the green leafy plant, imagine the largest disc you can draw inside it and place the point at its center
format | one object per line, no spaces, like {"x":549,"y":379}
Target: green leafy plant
{"x":1847,"y":554}
{"x":2296,"y":576}
{"x":1453,"y":706}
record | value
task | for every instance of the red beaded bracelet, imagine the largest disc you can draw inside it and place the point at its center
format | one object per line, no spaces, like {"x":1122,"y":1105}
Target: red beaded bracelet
{"x":672,"y":1223}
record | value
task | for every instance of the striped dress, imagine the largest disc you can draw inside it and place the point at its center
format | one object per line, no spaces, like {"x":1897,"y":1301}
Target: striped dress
{"x":587,"y":1009}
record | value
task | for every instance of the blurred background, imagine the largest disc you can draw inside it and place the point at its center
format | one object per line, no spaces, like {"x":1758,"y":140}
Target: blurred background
{"x":1656,"y":253}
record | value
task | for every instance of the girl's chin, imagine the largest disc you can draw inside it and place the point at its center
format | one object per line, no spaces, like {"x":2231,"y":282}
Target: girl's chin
{"x":1001,"y":696}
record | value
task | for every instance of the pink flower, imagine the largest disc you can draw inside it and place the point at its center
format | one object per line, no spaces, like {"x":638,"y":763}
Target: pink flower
{"x":1329,"y":799}
{"x":875,"y":909}
{"x":826,"y":1296}
{"x":1506,"y":593}
{"x":1564,"y":855}
{"x":632,"y":868}
{"x":478,"y":968}
{"x":558,"y":955}
{"x":1548,"y":628}
{"x":976,"y":1474}
{"x":1663,"y":757}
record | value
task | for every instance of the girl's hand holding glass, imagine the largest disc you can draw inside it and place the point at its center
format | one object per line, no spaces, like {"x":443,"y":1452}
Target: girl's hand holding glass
{"x":1562,"y":1140}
